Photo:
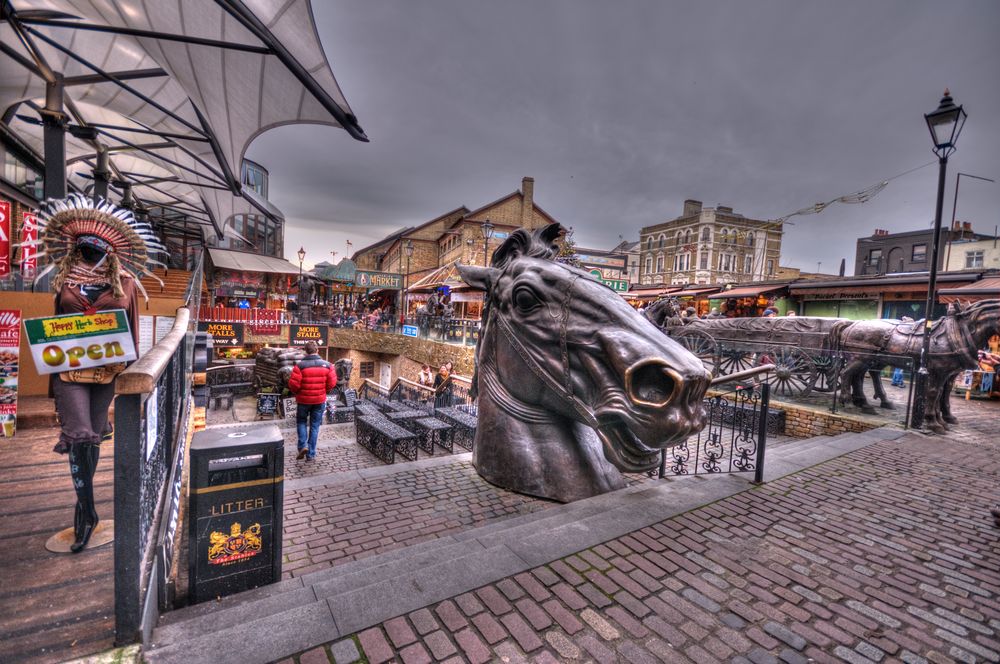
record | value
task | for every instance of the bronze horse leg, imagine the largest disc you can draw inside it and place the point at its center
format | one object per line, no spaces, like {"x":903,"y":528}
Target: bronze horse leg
{"x":876,"y":376}
{"x":949,"y":386}
{"x":854,"y":375}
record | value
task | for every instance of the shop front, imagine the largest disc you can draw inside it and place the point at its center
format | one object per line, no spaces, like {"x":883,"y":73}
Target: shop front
{"x":696,"y":297}
{"x":879,"y":297}
{"x":750,"y":301}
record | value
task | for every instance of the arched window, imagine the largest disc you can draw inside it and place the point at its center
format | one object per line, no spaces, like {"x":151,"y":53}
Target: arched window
{"x":725,"y":235}
{"x":663,"y":241}
{"x":649,"y":243}
{"x":706,"y":234}
{"x":687,"y":236}
{"x":659,"y":263}
{"x":749,"y":238}
{"x":677,"y":238}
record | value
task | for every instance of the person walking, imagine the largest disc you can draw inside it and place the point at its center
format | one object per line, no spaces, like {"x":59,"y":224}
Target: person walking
{"x":311,"y":379}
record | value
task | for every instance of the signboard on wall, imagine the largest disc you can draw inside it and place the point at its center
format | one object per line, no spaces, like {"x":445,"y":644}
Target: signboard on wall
{"x":376,"y":280}
{"x":163,"y":326}
{"x":5,"y":209}
{"x":299,"y":335}
{"x":146,"y":340}
{"x":223,"y":334}
{"x":10,"y":349}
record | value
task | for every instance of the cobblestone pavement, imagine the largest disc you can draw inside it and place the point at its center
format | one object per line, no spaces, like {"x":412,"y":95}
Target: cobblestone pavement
{"x":886,"y":554}
{"x":332,"y":524}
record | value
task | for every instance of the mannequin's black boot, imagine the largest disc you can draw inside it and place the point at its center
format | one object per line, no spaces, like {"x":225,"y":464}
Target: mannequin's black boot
{"x":82,"y":464}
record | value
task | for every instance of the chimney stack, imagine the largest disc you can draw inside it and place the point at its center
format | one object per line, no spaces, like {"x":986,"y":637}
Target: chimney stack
{"x":724,"y":208}
{"x":967,"y":226}
{"x":527,"y":202}
{"x":691,"y":207}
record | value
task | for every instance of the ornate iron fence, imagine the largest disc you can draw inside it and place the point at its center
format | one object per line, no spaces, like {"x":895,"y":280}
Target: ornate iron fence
{"x":733,"y":441}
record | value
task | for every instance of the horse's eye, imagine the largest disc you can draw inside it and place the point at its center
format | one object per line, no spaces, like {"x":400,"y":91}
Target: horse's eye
{"x":525,"y":300}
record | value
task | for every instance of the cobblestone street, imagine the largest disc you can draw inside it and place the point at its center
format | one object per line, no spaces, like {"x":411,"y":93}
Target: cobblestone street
{"x":885,"y":554}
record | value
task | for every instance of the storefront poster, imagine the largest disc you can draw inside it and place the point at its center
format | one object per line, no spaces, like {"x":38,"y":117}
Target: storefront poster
{"x":29,"y":233}
{"x":223,"y":334}
{"x":145,"y":334}
{"x":79,"y":341}
{"x":5,"y":239}
{"x":10,"y":348}
{"x":299,"y":335}
{"x":163,"y":326}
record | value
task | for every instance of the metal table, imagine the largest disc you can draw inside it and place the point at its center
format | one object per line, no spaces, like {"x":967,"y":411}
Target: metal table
{"x":385,"y":439}
{"x":432,"y":430}
{"x":464,"y":424}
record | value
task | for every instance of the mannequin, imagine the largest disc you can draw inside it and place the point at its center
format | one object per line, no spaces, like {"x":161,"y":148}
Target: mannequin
{"x":98,"y":252}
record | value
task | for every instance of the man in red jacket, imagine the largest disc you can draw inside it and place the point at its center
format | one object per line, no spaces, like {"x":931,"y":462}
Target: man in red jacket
{"x":311,"y":379}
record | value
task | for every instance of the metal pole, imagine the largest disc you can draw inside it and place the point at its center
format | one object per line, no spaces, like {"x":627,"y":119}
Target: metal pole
{"x":765,"y":401}
{"x":920,"y":403}
{"x":951,"y":229}
{"x":486,"y":248}
{"x":54,"y":139}
{"x":102,"y":173}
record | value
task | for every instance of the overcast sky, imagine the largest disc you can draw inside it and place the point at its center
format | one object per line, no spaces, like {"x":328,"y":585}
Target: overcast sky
{"x":621,"y":110}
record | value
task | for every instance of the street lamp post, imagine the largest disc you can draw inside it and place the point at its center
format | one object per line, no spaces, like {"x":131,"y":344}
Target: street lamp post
{"x":488,"y":229}
{"x":945,"y":124}
{"x":406,"y":298}
{"x":298,"y":297}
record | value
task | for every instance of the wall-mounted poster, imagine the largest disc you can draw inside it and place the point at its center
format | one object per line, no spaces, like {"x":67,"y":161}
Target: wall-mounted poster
{"x":145,"y":334}
{"x":10,"y":348}
{"x":163,"y":326}
{"x":5,"y":239}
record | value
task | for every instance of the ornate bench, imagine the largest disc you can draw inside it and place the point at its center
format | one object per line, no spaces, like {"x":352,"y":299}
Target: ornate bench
{"x":464,"y":424}
{"x":385,"y":439}
{"x":432,"y":430}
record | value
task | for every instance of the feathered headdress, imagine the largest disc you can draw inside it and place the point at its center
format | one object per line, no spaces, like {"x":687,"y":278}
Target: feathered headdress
{"x":66,"y":225}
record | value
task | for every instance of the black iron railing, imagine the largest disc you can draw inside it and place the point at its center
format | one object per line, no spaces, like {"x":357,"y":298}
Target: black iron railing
{"x":152,"y":409}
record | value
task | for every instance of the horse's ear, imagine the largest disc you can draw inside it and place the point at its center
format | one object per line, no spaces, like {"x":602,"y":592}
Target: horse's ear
{"x":481,"y":278}
{"x":549,"y":234}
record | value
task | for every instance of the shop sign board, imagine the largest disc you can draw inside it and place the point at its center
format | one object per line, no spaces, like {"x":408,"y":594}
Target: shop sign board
{"x":79,"y":341}
{"x":10,"y":351}
{"x":299,"y":335}
{"x":409,"y":330}
{"x":267,"y":403}
{"x":223,"y":334}
{"x":617,"y":285}
{"x":5,"y":240}
{"x":377,"y":280}
{"x":29,"y":234}
{"x":238,"y":291}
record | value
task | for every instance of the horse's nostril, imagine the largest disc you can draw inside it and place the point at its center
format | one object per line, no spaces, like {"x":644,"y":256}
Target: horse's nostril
{"x":651,"y":383}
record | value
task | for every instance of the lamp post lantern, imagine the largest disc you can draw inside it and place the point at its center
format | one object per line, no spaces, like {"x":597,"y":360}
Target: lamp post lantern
{"x":302,"y":257}
{"x":945,"y":124}
{"x":488,"y":229}
{"x":408,"y":248}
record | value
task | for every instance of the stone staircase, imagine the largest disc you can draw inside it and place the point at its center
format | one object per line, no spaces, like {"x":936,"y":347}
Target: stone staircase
{"x":175,"y":283}
{"x":275,"y":621}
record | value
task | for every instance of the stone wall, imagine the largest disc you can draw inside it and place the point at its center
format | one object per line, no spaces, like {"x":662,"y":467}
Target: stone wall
{"x":806,"y":423}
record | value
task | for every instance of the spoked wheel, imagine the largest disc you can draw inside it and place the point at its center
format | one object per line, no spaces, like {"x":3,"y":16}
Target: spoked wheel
{"x":701,"y":344}
{"x":733,"y":360}
{"x":794,"y":373}
{"x":827,"y":371}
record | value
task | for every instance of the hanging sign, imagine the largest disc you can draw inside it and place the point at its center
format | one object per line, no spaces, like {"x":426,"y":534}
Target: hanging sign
{"x":10,"y":350}
{"x":299,"y":335}
{"x":79,"y":341}
{"x":5,"y":240}
{"x":29,"y":233}
{"x":223,"y":334}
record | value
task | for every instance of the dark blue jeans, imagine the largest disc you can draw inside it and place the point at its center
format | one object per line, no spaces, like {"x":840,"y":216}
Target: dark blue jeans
{"x":308,"y":417}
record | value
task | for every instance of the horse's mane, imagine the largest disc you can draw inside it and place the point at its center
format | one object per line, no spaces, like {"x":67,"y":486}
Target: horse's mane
{"x":540,"y":243}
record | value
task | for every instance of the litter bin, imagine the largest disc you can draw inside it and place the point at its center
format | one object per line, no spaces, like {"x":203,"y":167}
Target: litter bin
{"x":234,"y":511}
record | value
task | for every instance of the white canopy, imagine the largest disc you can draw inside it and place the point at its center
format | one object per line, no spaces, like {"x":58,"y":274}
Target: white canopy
{"x":183,"y":84}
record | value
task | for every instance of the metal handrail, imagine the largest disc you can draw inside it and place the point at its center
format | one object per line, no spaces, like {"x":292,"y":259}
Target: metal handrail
{"x":741,"y":375}
{"x":141,"y":377}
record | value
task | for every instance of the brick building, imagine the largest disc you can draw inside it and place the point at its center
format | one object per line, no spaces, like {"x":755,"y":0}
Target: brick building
{"x":454,"y":236}
{"x":709,"y":246}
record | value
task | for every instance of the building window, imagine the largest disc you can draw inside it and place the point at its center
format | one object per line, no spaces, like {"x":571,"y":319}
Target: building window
{"x":703,"y":261}
{"x":725,"y":236}
{"x":748,"y":264}
{"x":749,"y":238}
{"x":973,"y":259}
{"x":663,"y":241}
{"x":874,"y":257}
{"x":919,"y":253}
{"x":659,"y":263}
{"x":727,"y":262}
{"x":649,"y":243}
{"x":23,"y":176}
{"x":649,"y":264}
{"x":678,"y":238}
{"x":706,"y":234}
{"x":682,"y":262}
{"x":770,"y":266}
{"x":255,"y":177}
{"x":367,"y":370}
{"x":687,"y":237}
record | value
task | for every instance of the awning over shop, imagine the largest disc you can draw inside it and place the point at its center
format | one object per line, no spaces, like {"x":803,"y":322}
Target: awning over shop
{"x":650,"y":293}
{"x":984,"y":289}
{"x":238,"y":260}
{"x":446,"y":275}
{"x":695,"y":292}
{"x":747,"y":291}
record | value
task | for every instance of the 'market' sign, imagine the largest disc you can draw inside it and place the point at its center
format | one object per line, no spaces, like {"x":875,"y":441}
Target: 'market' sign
{"x":79,"y":341}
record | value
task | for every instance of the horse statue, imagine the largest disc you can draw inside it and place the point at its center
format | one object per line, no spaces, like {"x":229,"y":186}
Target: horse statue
{"x":437,"y":306}
{"x":955,"y":340}
{"x":665,"y":311}
{"x":574,"y":386}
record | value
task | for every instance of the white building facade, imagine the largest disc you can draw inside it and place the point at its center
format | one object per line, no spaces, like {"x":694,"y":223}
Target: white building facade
{"x":709,"y":246}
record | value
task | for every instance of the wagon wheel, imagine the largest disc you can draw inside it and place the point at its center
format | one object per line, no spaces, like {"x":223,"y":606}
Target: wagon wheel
{"x":794,"y":373}
{"x":732,"y":360}
{"x":827,"y":373}
{"x":701,"y":344}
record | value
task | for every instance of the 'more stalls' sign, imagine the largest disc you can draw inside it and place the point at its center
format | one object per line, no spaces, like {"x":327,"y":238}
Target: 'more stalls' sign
{"x":79,"y":341}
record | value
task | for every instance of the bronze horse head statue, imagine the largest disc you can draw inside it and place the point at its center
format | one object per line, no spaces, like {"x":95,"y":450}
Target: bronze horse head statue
{"x":574,"y":386}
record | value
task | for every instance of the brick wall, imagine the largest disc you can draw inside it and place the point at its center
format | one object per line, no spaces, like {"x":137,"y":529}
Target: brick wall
{"x":806,"y":423}
{"x":404,"y":354}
